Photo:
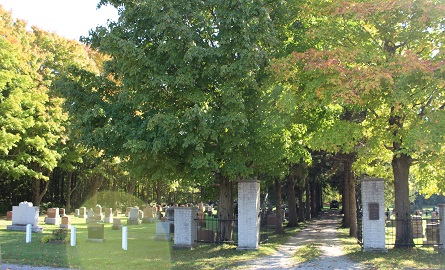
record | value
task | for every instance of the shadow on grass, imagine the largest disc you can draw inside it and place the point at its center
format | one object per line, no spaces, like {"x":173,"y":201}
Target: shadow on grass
{"x":212,"y":256}
{"x":410,"y":258}
{"x":143,"y":252}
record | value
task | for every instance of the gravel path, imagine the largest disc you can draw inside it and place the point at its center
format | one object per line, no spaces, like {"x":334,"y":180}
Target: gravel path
{"x":323,"y":233}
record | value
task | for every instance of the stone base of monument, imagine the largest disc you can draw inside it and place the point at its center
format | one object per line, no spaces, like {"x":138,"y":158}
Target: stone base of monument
{"x":108,"y":219}
{"x":374,"y":250}
{"x":183,"y":246}
{"x":52,"y":221}
{"x":131,"y":221}
{"x":116,"y":224}
{"x":162,"y":237}
{"x":116,"y":227}
{"x":36,"y":229}
{"x":65,"y":226}
{"x":148,"y":220}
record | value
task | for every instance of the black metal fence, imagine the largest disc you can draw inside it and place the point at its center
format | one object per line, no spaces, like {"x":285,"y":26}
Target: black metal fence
{"x":211,"y":229}
{"x":425,"y":231}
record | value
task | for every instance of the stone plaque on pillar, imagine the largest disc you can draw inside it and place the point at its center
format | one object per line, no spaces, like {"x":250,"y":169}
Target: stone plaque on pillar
{"x":374,"y":211}
{"x":373,"y":214}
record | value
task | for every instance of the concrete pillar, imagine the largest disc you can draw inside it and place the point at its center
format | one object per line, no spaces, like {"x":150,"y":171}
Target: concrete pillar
{"x":248,"y":214}
{"x":373,"y":220}
{"x":186,"y":227}
{"x":442,"y":228}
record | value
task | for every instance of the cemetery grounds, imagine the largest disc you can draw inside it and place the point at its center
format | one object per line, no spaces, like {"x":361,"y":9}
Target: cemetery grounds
{"x":145,"y":253}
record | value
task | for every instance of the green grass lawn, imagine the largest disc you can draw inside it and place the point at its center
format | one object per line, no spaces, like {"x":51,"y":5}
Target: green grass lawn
{"x":143,"y":252}
{"x":415,"y":258}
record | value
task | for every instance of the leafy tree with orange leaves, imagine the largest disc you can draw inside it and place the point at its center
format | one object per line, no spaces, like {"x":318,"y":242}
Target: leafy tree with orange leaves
{"x":385,"y":60}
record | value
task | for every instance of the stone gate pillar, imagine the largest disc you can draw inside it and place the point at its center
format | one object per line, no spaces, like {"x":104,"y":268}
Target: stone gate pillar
{"x":186,"y":227}
{"x":248,"y":214}
{"x":442,"y":228}
{"x":373,"y":220}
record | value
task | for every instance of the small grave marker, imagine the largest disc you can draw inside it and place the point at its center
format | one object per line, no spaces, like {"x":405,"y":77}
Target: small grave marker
{"x":116,"y":224}
{"x":52,"y":216}
{"x":65,"y":222}
{"x":133,"y":217}
{"x":96,"y":232}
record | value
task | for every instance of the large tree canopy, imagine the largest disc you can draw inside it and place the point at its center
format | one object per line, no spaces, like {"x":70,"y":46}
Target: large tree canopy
{"x":182,"y":87}
{"x":186,"y":78}
{"x":383,"y":59}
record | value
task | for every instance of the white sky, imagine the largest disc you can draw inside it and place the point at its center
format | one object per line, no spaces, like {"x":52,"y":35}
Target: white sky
{"x":68,"y":18}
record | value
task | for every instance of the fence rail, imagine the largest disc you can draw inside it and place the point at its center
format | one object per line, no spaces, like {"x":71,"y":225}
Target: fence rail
{"x":211,"y":229}
{"x":425,"y":231}
{"x":214,"y":230}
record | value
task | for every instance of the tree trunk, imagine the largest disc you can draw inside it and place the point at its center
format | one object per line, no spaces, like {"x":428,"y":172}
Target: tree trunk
{"x":314,"y":210}
{"x":279,"y":225}
{"x":319,"y":198}
{"x":225,"y":210}
{"x":95,"y":185}
{"x":404,"y":236}
{"x":292,"y":203}
{"x":352,"y":206}
{"x":308,"y":199}
{"x":300,"y":205}
{"x":346,"y":198}
{"x":115,"y":191}
{"x":68,"y":192}
{"x":37,"y":195}
{"x":301,"y":176}
{"x":36,"y":192}
{"x":158,"y":192}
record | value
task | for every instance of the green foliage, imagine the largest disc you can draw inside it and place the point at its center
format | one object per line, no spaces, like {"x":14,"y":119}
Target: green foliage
{"x":181,"y":91}
{"x":372,"y":60}
{"x":31,"y":117}
{"x":57,"y":235}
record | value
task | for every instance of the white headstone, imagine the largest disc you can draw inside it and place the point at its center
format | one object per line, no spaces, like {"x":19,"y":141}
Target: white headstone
{"x":25,"y":214}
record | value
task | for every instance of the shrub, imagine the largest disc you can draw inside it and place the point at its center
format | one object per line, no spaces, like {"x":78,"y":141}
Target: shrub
{"x":58,"y":235}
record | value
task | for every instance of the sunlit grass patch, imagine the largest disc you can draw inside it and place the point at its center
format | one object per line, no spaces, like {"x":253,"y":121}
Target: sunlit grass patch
{"x":143,"y":252}
{"x":307,"y":252}
{"x":409,"y":258}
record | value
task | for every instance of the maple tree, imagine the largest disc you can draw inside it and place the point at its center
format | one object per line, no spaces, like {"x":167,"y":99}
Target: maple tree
{"x":181,"y":90}
{"x":35,"y":129}
{"x":384,"y":59}
{"x":31,"y":116}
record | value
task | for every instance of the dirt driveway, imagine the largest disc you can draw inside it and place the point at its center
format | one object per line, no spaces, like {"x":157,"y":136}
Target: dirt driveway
{"x":321,"y":232}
